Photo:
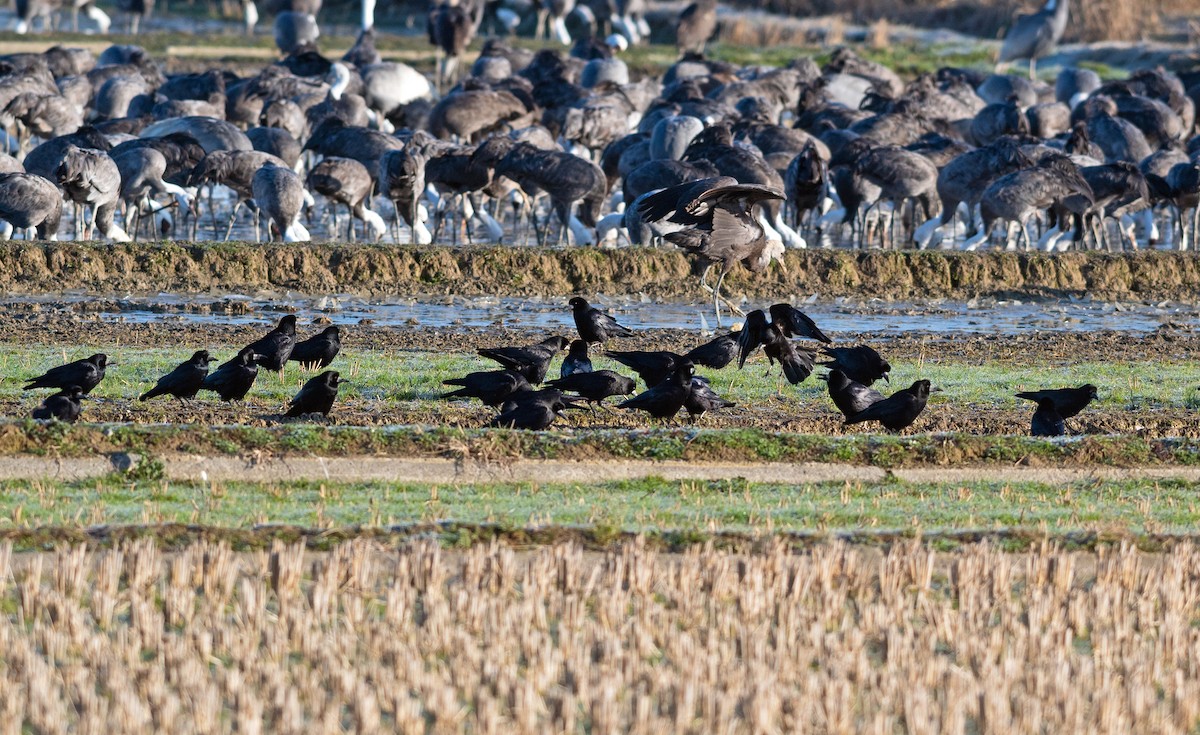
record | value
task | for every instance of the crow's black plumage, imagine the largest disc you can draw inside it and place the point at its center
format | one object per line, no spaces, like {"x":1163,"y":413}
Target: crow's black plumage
{"x":63,"y":406}
{"x":716,"y":353}
{"x":861,"y":364}
{"x":652,"y":367}
{"x":86,"y":374}
{"x":797,"y":364}
{"x":316,"y":396}
{"x":898,"y":410}
{"x":1067,"y":401}
{"x":1046,"y":420}
{"x":753,"y":335}
{"x":795,"y":323}
{"x":664,"y":400}
{"x":701,"y":399}
{"x":275,"y":347}
{"x":577,"y":360}
{"x":594,"y":325}
{"x":532,"y":361}
{"x":849,"y":396}
{"x":318,"y":350}
{"x":184,"y":381}
{"x":492,"y":387}
{"x":533,"y":410}
{"x":234,"y":378}
{"x":596,"y":386}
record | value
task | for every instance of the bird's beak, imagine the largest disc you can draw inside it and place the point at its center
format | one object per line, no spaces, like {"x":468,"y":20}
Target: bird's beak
{"x":886,"y":379}
{"x":937,"y":389}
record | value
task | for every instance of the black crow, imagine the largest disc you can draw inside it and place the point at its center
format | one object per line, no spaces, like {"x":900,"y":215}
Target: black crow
{"x":753,"y":335}
{"x":593,"y":324}
{"x":576,"y":361}
{"x":86,"y":374}
{"x":795,"y":323}
{"x":596,"y":386}
{"x":797,"y":364}
{"x":492,"y":387}
{"x":316,"y":396}
{"x":318,"y":350}
{"x":664,"y":400}
{"x":233,"y":379}
{"x":184,"y":381}
{"x":898,"y":410}
{"x":702,"y":399}
{"x":652,"y":367}
{"x":850,"y":397}
{"x":861,"y":364}
{"x":1067,"y":401}
{"x":532,"y":361}
{"x":1046,"y":420}
{"x":534,"y":410}
{"x":276,"y":346}
{"x":716,"y":353}
{"x":62,"y":406}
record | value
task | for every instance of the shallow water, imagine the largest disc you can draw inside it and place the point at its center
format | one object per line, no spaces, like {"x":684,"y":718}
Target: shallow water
{"x":988,"y":316}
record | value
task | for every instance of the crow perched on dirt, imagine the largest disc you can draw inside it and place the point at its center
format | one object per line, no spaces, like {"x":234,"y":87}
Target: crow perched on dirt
{"x":316,"y":396}
{"x":577,"y":360}
{"x":1046,"y":420}
{"x":184,"y":381}
{"x":664,"y":400}
{"x":276,"y":346}
{"x":861,"y":364}
{"x":1067,"y":401}
{"x":701,"y":399}
{"x":898,"y":410}
{"x":850,"y":397}
{"x":86,"y":374}
{"x":318,"y":350}
{"x":596,"y":386}
{"x":593,"y":324}
{"x":64,"y":406}
{"x":233,"y":379}
{"x":492,"y":387}
{"x":534,"y":411}
{"x":532,"y":361}
{"x":716,"y":353}
{"x":655,"y":366}
{"x":795,"y":323}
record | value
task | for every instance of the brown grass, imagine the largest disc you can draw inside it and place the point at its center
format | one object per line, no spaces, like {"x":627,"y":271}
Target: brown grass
{"x":1092,"y":20}
{"x":362,"y":639}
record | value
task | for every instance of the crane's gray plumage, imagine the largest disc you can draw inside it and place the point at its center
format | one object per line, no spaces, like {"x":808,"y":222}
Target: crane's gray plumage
{"x":1016,"y":197}
{"x":279,"y":193}
{"x":721,"y":227}
{"x":1035,"y":35}
{"x":696,"y":24}
{"x":30,"y":201}
{"x":567,"y":179}
{"x":347,"y":182}
{"x":91,"y":177}
{"x":295,"y":31}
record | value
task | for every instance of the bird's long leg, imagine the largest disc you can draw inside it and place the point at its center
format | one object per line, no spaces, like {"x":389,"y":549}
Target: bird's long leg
{"x":232,"y":219}
{"x":1033,"y":68}
{"x":212,"y":210}
{"x":1195,"y":224}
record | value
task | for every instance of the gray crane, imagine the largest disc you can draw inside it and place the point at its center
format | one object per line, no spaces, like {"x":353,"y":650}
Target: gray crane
{"x":1035,"y":35}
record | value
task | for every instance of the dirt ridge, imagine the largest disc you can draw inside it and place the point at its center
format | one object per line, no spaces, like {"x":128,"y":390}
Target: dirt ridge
{"x":33,"y":267}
